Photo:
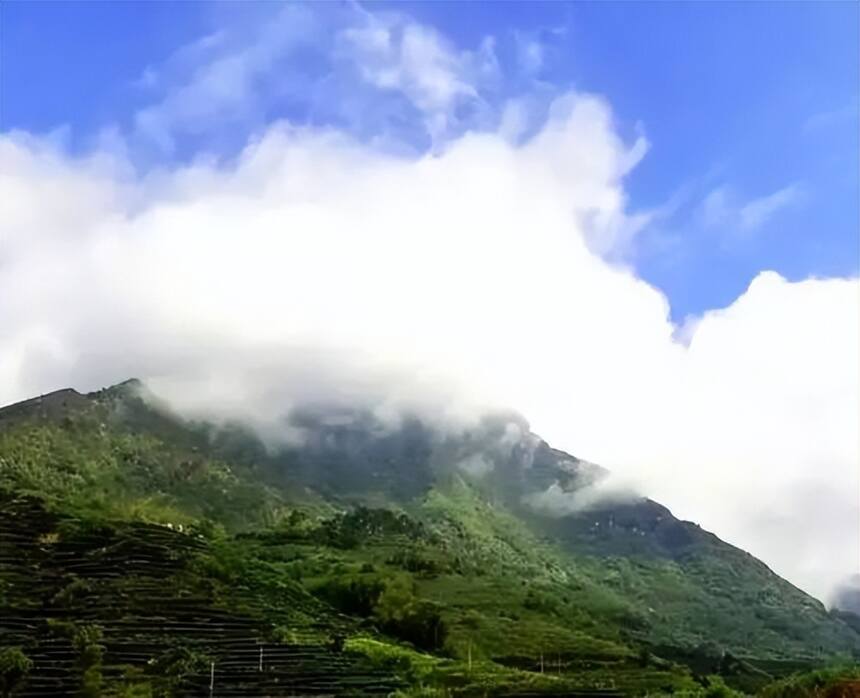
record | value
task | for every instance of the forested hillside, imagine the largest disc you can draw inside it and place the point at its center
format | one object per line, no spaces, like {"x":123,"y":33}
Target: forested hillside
{"x":145,"y":554}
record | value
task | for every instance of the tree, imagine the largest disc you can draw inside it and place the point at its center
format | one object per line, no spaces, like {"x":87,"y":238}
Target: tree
{"x":406,"y":616}
{"x":175,"y":663}
{"x":86,"y":640}
{"x":14,"y":667}
{"x":397,"y":600}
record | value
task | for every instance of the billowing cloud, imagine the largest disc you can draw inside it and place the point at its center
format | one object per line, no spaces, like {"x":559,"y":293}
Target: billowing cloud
{"x":316,"y":266}
{"x":555,"y":500}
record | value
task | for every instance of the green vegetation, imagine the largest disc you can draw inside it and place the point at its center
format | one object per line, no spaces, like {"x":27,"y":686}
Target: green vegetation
{"x":14,"y":667}
{"x":832,"y":682}
{"x":143,"y":555}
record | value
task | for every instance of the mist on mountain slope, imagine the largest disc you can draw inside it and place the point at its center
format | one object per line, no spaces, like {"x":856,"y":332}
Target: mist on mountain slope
{"x":315,"y":268}
{"x":846,"y":595}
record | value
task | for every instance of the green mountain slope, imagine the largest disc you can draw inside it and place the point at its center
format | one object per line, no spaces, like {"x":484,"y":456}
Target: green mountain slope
{"x":138,"y":551}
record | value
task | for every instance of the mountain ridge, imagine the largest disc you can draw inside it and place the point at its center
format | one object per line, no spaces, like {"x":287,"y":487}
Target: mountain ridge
{"x":393,"y":526}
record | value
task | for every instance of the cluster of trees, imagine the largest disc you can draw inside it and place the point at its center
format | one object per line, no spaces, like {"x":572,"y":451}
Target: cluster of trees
{"x":349,"y":529}
{"x":402,"y":614}
{"x":419,"y":562}
{"x":392,"y":603}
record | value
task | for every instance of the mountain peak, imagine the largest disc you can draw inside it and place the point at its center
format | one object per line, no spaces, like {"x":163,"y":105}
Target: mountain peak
{"x":55,"y":404}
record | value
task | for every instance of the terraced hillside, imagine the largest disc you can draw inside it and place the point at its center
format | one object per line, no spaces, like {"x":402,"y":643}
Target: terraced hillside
{"x":134,"y":604}
{"x":144,"y":554}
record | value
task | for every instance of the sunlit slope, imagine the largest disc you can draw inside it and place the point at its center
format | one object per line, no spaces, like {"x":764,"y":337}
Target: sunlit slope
{"x":364,"y":539}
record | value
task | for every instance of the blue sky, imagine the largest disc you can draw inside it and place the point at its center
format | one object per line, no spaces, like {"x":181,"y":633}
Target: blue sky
{"x":750,"y":109}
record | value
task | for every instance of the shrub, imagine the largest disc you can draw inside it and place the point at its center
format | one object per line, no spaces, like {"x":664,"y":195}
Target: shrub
{"x":172,"y":665}
{"x":14,"y":667}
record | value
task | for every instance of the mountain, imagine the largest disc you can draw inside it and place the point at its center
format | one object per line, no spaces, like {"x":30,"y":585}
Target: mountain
{"x":142,"y":553}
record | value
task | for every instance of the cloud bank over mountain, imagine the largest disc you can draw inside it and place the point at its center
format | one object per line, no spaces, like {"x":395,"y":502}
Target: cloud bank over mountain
{"x":319,"y":266}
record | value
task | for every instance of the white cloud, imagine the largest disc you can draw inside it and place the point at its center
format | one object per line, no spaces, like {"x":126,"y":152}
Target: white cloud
{"x":556,"y":501}
{"x":318,"y":265}
{"x":395,"y":53}
{"x":227,"y":77}
{"x":756,"y":213}
{"x":295,"y":55}
{"x":413,"y":59}
{"x":721,"y":208}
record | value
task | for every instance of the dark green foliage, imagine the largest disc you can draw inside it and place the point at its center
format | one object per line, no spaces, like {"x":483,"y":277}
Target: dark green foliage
{"x":14,"y":667}
{"x":419,"y":562}
{"x":715,"y":687}
{"x":349,"y":529}
{"x":420,"y":624}
{"x":175,"y":664}
{"x":392,"y":604}
{"x":353,"y":595}
{"x":540,"y":602}
{"x":73,"y":592}
{"x":409,"y":618}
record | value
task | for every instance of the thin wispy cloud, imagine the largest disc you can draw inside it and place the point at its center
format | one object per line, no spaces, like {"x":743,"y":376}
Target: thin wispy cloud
{"x":723,"y":209}
{"x":223,"y":79}
{"x":530,"y":53}
{"x":393,"y":53}
{"x":755,"y":214}
{"x":302,"y":61}
{"x":846,"y":115}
